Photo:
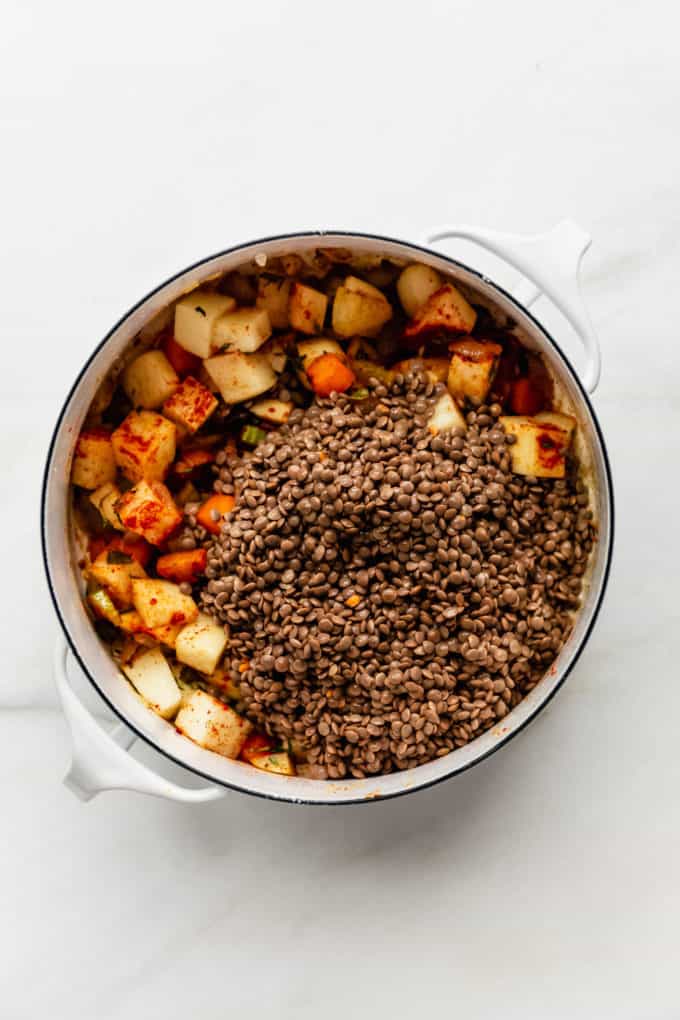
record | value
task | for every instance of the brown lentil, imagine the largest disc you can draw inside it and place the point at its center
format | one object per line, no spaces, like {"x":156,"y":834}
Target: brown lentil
{"x":393,"y":593}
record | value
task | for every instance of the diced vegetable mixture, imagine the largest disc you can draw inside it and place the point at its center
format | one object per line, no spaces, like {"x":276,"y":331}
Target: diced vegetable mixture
{"x":334,"y":522}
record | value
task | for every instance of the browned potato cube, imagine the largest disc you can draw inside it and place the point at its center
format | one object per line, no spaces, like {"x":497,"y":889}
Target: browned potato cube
{"x":473,"y":366}
{"x":160,"y":603}
{"x":190,"y":405}
{"x":115,"y":576}
{"x":446,"y":310}
{"x":149,"y":510}
{"x":93,"y":461}
{"x":539,"y":448}
{"x":307,"y":309}
{"x":144,"y":446}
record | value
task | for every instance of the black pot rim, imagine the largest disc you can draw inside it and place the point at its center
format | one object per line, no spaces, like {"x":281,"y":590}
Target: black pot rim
{"x":596,"y":608}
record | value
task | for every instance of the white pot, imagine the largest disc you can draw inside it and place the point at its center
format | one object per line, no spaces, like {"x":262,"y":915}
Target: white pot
{"x":550,"y":264}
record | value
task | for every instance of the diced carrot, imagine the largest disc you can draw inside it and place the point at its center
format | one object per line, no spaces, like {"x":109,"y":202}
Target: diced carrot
{"x":525,"y":397}
{"x":353,"y":601}
{"x":190,"y":461}
{"x":133,"y":545}
{"x":329,"y":373}
{"x":182,"y":566}
{"x":256,"y":743}
{"x":96,"y":546}
{"x":182,"y":361}
{"x":222,"y":504}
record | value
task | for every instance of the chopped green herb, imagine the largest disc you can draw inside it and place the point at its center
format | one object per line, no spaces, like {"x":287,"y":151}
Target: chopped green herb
{"x":252,"y":435}
{"x":116,"y":556}
{"x":200,"y":310}
{"x":359,"y":394}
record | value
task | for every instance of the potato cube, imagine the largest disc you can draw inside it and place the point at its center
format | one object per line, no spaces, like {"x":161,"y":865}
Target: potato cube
{"x":144,"y":446}
{"x":240,"y":376}
{"x":539,"y":448}
{"x":273,"y":296}
{"x":195,"y":317}
{"x":149,"y":510}
{"x":415,"y":285}
{"x":444,"y":311}
{"x":359,"y":309}
{"x":446,"y":415}
{"x":115,"y":570}
{"x":245,"y":329}
{"x":200,"y":644}
{"x":566,"y":422}
{"x":279,"y":762}
{"x":161,"y":602}
{"x":472,"y":369}
{"x":277,"y":354}
{"x":307,"y":308}
{"x":212,"y":724}
{"x":94,"y":462}
{"x":149,"y":380}
{"x":104,"y":499}
{"x":190,"y":405}
{"x":152,"y":678}
{"x":132,"y":623}
{"x":276,"y":411}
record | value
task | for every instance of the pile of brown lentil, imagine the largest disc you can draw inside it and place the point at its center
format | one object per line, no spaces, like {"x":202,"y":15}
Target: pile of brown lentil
{"x":390,"y":594}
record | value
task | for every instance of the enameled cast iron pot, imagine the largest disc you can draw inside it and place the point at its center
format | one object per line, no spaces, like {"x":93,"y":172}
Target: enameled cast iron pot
{"x":549,"y":264}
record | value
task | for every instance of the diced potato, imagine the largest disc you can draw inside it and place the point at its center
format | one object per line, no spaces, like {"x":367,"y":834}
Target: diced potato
{"x":473,"y":366}
{"x":446,"y":415}
{"x":93,"y":460}
{"x":446,"y":310}
{"x":274,"y":761}
{"x":195,"y":317}
{"x":116,"y":576}
{"x":359,"y":309}
{"x":162,"y":602}
{"x":276,"y":411}
{"x":245,"y":330}
{"x":149,"y":380}
{"x":308,"y":350}
{"x":151,"y":676}
{"x":240,"y":376}
{"x":132,"y":623}
{"x":566,"y":422}
{"x":149,"y":510}
{"x":212,"y":724}
{"x":190,"y":405}
{"x":144,"y":446}
{"x":436,"y":369}
{"x":307,"y":308}
{"x":539,"y":448}
{"x":201,"y":644}
{"x":416,"y":284}
{"x":273,"y":296}
{"x":102,"y":606}
{"x":104,"y":499}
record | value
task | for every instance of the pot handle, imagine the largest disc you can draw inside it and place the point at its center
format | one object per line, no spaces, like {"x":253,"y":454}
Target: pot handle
{"x":550,"y":263}
{"x":100,"y":760}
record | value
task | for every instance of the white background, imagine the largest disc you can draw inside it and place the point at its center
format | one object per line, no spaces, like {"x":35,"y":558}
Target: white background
{"x":136,"y":138}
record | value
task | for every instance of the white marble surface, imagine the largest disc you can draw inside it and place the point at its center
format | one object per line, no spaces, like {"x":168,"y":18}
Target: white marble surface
{"x":139,"y":137}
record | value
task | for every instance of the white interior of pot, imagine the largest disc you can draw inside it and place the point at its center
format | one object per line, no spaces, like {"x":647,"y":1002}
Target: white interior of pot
{"x":93,"y":655}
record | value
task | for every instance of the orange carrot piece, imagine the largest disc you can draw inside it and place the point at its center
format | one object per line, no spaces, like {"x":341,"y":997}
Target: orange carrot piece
{"x":329,"y":373}
{"x":132,"y":545}
{"x":256,"y":743}
{"x":222,"y":504}
{"x":182,"y":361}
{"x":525,"y":397}
{"x":182,"y":566}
